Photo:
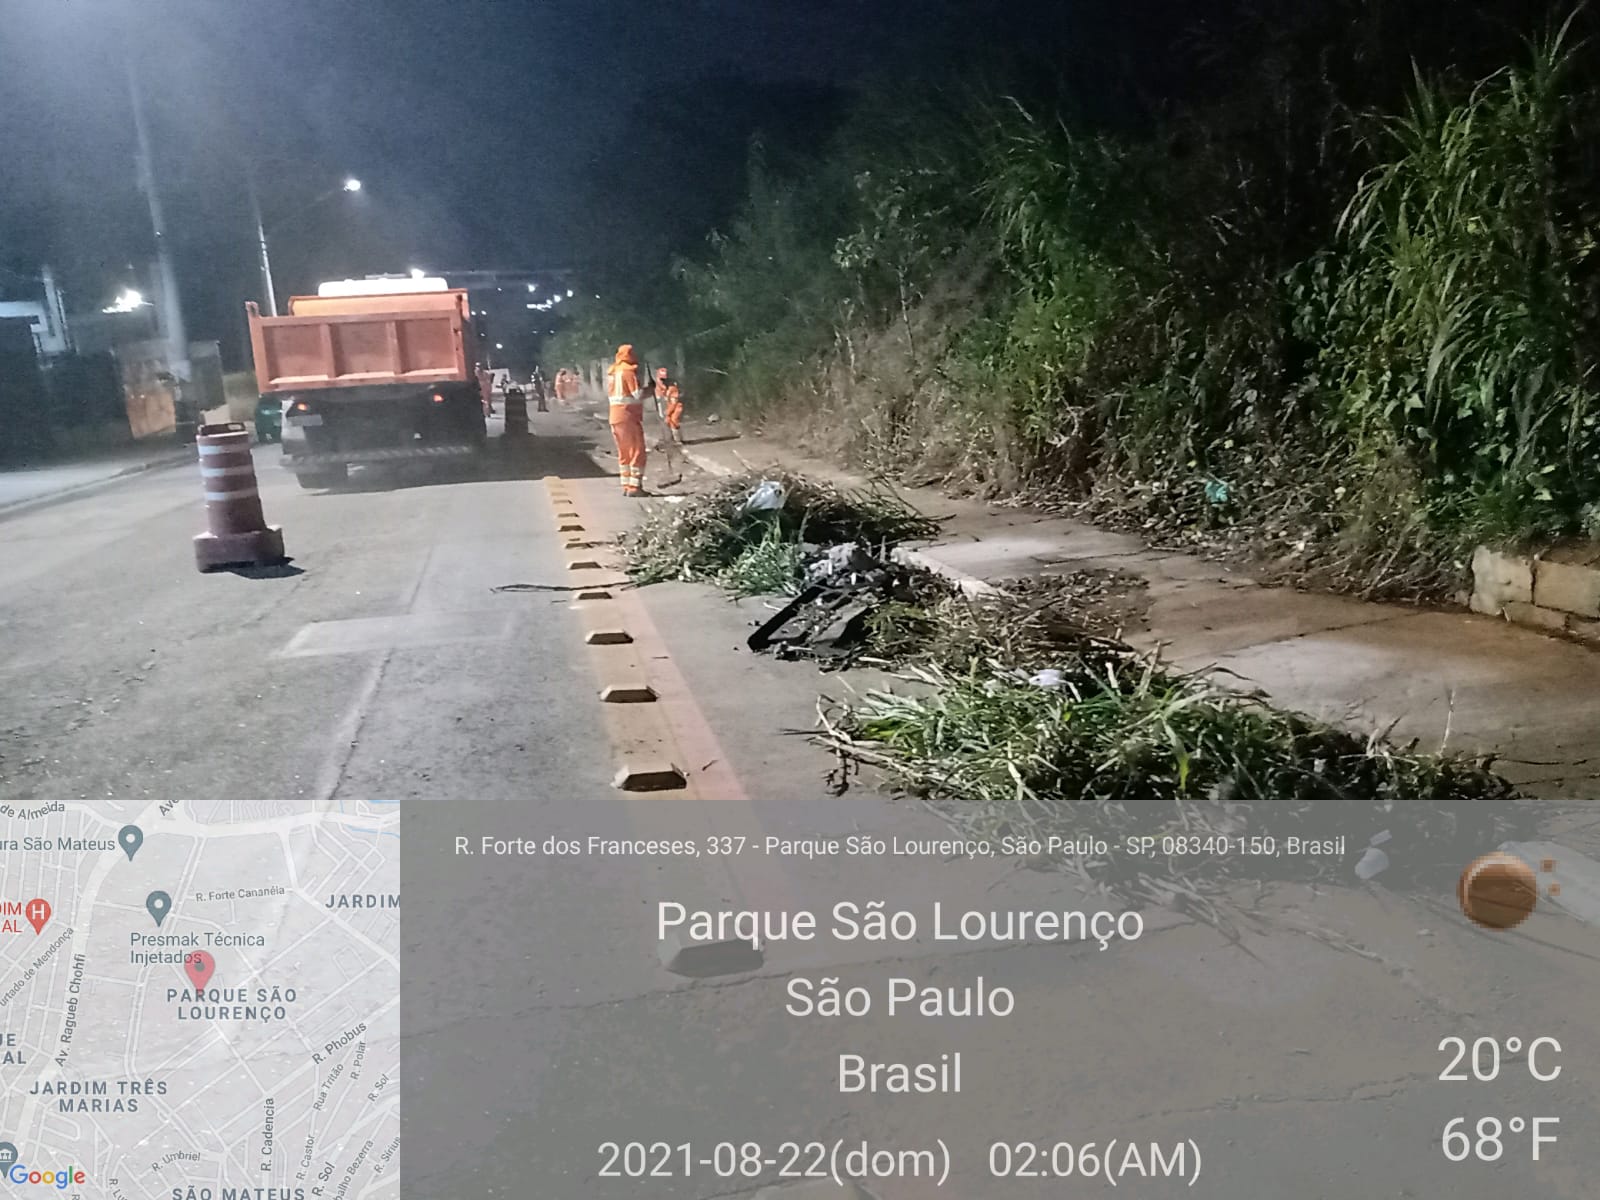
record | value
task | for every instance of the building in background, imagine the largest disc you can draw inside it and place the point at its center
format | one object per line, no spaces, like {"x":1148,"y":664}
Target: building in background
{"x":97,"y":377}
{"x":45,"y":314}
{"x":99,"y":332}
{"x":128,"y":318}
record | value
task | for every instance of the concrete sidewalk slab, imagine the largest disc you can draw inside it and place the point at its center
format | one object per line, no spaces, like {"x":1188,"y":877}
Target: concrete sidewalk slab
{"x":1195,"y":621}
{"x":1448,"y":678}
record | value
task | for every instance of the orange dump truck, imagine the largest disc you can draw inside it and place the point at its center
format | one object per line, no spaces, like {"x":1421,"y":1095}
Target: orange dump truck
{"x":370,"y":379}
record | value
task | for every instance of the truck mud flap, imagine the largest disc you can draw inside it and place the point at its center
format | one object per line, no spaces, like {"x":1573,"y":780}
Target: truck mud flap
{"x":296,"y":462}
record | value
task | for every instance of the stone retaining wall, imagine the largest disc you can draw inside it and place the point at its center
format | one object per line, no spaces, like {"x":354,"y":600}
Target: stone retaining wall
{"x":1557,"y":590}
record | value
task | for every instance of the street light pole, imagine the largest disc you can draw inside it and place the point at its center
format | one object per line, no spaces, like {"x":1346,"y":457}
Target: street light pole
{"x":171,"y":310}
{"x":268,"y":292}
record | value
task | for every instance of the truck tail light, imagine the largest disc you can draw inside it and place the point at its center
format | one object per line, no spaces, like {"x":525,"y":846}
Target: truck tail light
{"x":301,"y":406}
{"x":438,"y":397}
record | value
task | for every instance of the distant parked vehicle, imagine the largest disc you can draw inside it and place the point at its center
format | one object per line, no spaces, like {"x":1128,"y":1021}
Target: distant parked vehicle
{"x":269,"y":419}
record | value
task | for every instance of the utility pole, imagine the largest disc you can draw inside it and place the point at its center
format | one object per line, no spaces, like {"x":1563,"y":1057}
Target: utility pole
{"x":267,"y":290}
{"x":170,"y":311}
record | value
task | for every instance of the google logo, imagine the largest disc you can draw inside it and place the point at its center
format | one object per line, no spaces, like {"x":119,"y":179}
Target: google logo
{"x":56,"y":1179}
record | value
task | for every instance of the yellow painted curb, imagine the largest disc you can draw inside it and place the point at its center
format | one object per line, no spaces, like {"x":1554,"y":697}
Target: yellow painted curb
{"x":644,"y":744}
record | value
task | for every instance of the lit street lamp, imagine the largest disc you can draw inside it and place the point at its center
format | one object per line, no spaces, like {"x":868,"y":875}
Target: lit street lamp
{"x":130,"y":300}
{"x":351,"y":184}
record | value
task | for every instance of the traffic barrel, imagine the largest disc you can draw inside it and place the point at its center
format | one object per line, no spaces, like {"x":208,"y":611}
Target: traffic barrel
{"x":237,"y":534}
{"x":516,"y":412}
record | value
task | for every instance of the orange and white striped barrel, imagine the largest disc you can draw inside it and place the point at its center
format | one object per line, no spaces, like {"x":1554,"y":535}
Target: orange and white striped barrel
{"x":228,"y":474}
{"x":237,"y":532}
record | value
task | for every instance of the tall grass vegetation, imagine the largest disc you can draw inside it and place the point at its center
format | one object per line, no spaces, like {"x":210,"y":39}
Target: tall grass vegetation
{"x":1338,"y":311}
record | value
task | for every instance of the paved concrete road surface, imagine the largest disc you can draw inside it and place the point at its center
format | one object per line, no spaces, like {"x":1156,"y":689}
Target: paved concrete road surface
{"x":380,"y":662}
{"x":548,"y":1054}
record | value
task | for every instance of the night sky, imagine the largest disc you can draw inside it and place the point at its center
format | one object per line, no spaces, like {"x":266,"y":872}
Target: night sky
{"x":487,"y":133}
{"x":510,"y":134}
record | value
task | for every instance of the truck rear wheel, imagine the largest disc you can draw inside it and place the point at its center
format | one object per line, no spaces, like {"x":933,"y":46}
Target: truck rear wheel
{"x":471,"y":421}
{"x":323,"y":477}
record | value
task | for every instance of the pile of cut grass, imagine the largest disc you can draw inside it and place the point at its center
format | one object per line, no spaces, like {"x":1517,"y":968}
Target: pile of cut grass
{"x":711,"y":537}
{"x":1116,"y":747}
{"x":934,"y":623}
{"x":1023,"y":721}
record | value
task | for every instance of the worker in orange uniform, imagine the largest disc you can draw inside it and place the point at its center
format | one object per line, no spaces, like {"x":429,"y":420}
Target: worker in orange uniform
{"x":671,"y":402}
{"x":627,"y":418}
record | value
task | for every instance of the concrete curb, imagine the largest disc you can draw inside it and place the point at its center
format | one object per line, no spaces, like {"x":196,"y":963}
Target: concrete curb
{"x":970,"y":585}
{"x":1538,"y":592}
{"x":177,"y":457}
{"x":710,"y":465}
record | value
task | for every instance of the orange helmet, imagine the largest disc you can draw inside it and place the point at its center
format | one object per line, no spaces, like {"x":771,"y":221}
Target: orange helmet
{"x":625,"y":354}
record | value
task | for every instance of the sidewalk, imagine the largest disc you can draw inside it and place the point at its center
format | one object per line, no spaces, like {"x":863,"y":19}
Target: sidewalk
{"x":26,"y":486}
{"x":1474,"y":683}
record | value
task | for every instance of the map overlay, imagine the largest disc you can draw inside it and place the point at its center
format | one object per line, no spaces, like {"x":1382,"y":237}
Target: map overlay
{"x":199,"y":1000}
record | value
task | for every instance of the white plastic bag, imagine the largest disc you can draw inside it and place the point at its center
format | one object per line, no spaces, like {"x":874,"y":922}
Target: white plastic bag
{"x":1374,"y":862}
{"x":766,"y":496}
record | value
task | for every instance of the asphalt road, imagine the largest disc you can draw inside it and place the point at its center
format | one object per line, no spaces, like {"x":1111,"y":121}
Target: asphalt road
{"x":380,"y":663}
{"x":1302,"y":1059}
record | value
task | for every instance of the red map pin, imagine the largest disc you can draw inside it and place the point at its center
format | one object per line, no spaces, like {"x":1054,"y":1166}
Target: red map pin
{"x":199,"y":964}
{"x":37,"y":912}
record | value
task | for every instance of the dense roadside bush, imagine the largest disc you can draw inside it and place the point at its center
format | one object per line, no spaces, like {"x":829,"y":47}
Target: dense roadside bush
{"x":1452,"y":324}
{"x":1268,"y":317}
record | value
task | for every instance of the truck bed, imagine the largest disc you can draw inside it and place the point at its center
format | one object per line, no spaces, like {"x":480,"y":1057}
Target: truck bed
{"x":361,"y":341}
